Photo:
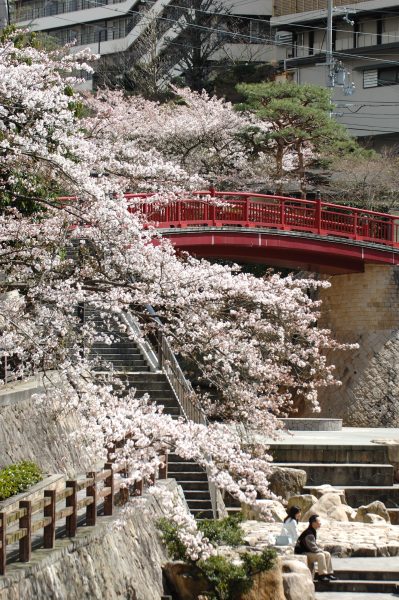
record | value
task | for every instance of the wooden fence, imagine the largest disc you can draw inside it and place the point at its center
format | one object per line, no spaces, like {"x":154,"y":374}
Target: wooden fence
{"x":32,"y":516}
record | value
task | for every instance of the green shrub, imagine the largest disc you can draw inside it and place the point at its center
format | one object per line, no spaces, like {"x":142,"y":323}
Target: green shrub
{"x":256,"y":563}
{"x":174,"y":546}
{"x":229,"y":581}
{"x":18,"y":478}
{"x":223,"y":532}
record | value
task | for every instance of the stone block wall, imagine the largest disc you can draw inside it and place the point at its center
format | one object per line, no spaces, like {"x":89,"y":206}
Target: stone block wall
{"x":364,"y":308}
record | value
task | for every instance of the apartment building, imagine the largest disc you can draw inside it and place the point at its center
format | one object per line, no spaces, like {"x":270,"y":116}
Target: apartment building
{"x":115,"y":28}
{"x":365,"y":42}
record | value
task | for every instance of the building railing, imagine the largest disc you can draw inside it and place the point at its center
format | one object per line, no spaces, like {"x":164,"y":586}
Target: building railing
{"x":62,"y":507}
{"x":217,"y":209}
{"x":29,"y":11}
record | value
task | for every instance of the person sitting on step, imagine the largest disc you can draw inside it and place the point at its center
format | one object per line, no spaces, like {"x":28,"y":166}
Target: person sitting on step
{"x":290,"y":525}
{"x":307,"y":544}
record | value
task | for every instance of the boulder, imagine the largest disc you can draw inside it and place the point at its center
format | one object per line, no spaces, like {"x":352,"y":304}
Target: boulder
{"x":303,"y":501}
{"x":267,"y":586}
{"x":371,"y":518}
{"x":320,"y":490}
{"x":297,"y":579}
{"x":350,"y":512}
{"x":374,"y":508}
{"x":186,"y":581}
{"x":328,"y":506}
{"x":286,"y":482}
{"x":273,"y":507}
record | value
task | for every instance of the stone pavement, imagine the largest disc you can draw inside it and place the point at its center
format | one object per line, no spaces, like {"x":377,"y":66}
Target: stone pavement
{"x":341,"y":539}
{"x":380,"y":563}
{"x":362,"y":436}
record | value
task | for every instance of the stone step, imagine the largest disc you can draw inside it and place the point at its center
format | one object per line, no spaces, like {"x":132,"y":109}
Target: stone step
{"x":199,"y":504}
{"x":153,"y":377}
{"x":193,"y":484}
{"x":188,"y":476}
{"x":116,"y":344}
{"x":358,"y":586}
{"x":172,"y":410}
{"x":196,"y":495}
{"x":345,"y":474}
{"x":295,"y":453}
{"x":158,"y":395}
{"x":184,"y":467}
{"x":116,"y":352}
{"x":353,"y":596}
{"x":151,"y":385}
{"x":363,"y":575}
{"x":360,"y":495}
{"x":394,"y":515}
{"x":122,"y":370}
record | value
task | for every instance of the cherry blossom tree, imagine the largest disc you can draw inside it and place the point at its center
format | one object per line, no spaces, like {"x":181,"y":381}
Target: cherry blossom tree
{"x":254,"y":340}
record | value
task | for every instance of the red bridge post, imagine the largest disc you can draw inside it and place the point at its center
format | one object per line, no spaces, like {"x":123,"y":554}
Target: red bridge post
{"x":318,"y":212}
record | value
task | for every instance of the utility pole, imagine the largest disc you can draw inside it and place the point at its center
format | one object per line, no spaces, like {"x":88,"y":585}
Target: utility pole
{"x":329,"y":50}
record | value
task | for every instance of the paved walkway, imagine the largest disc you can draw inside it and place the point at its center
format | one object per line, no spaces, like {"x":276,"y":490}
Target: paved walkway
{"x":375,"y":564}
{"x":348,"y":436}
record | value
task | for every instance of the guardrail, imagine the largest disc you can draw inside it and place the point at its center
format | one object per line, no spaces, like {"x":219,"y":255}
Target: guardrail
{"x":245,"y":209}
{"x":32,"y":516}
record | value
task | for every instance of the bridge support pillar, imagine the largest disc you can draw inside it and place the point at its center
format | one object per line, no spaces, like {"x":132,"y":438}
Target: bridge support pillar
{"x":364,"y":308}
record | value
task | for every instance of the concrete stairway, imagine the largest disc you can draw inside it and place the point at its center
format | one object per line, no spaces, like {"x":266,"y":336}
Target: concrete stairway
{"x":364,"y":472}
{"x":123,"y":354}
{"x":361,"y":577}
{"x":194,"y":482}
{"x":130,"y":364}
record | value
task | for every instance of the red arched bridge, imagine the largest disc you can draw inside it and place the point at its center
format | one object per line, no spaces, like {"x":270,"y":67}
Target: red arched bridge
{"x":275,"y":230}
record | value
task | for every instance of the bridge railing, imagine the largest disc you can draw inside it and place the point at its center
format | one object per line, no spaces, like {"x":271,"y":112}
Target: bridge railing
{"x":211,"y":208}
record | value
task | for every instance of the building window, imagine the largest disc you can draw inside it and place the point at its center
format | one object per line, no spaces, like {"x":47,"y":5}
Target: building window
{"x":381,"y":77}
{"x":311,"y":43}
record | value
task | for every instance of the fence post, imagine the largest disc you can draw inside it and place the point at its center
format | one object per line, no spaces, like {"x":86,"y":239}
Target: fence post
{"x":91,"y":492}
{"x":109,"y":482}
{"x":163,"y":469}
{"x":160,"y":349}
{"x":138,"y":488}
{"x":25,"y":522}
{"x":282,"y":214}
{"x":355,"y":225}
{"x":49,"y":511}
{"x":71,"y":523}
{"x":318,"y":212}
{"x":3,"y":542}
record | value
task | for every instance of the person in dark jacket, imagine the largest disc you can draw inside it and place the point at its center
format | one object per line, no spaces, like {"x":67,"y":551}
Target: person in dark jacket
{"x":307,"y":544}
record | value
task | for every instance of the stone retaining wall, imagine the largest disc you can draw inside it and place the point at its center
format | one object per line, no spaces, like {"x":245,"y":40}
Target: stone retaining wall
{"x":28,"y":432}
{"x":364,"y":308}
{"x":108,"y":562}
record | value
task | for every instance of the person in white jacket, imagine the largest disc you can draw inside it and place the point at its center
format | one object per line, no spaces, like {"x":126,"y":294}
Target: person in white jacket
{"x":290,"y":526}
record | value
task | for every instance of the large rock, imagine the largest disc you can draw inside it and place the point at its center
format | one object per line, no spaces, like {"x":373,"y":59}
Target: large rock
{"x":273,"y":507}
{"x":328,"y":506}
{"x":297,"y":579}
{"x":185,"y":580}
{"x":374,"y":508}
{"x":267,"y":586}
{"x":320,"y":490}
{"x":286,"y":482}
{"x":303,"y":501}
